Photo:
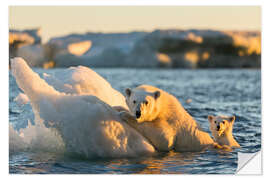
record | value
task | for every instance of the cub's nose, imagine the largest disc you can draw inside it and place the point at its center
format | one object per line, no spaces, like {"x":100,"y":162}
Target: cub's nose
{"x":138,"y":114}
{"x":218,"y":127}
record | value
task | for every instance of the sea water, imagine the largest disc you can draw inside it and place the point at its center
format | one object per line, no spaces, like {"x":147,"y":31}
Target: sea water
{"x":201,"y":92}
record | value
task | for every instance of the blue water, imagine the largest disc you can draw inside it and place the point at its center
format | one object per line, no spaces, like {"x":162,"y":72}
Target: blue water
{"x":215,"y":92}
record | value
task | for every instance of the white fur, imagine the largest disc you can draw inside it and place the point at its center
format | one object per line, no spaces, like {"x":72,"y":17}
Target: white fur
{"x":163,"y":121}
{"x":221,"y":128}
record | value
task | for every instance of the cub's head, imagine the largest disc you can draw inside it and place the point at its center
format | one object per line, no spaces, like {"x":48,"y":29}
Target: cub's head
{"x":220,"y":125}
{"x":143,"y":105}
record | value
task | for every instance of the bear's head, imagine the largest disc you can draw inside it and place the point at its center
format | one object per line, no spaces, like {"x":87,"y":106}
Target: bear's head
{"x":143,"y":104}
{"x":220,"y":125}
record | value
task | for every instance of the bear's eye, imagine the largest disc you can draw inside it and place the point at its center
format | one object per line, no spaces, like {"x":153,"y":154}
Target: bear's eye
{"x":223,"y":122}
{"x":215,"y":122}
{"x":146,"y":102}
{"x":134,"y":102}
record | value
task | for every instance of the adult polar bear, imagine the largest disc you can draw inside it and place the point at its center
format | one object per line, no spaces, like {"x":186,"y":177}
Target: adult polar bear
{"x":160,"y":118}
{"x":87,"y":125}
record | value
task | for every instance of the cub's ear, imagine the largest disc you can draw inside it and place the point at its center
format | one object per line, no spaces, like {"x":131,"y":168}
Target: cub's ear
{"x":128,"y":92}
{"x":156,"y":94}
{"x":232,"y":118}
{"x":210,"y":118}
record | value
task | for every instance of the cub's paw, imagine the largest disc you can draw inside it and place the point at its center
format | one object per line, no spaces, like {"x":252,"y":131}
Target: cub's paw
{"x":217,"y":146}
{"x":223,"y":147}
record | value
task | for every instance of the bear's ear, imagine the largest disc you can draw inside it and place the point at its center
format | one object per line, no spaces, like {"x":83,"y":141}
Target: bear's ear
{"x":156,"y":94}
{"x":128,"y":92}
{"x":232,"y":118}
{"x":210,"y":118}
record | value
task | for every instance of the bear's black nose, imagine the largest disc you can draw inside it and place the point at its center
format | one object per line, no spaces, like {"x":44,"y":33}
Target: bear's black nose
{"x":218,"y":127}
{"x":138,"y":114}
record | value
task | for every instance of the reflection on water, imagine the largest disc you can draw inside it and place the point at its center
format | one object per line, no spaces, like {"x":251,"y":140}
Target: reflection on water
{"x":168,"y":163}
{"x":228,"y":92}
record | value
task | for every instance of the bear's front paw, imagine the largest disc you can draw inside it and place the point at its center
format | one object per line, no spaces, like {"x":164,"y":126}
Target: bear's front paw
{"x":119,"y":108}
{"x":127,"y":117}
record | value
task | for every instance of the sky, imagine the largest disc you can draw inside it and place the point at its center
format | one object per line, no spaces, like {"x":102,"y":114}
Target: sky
{"x":62,"y":20}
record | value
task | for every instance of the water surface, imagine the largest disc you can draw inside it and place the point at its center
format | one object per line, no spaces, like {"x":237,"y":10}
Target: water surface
{"x":213,"y":92}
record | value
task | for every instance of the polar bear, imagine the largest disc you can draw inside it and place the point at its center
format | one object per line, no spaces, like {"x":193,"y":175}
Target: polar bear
{"x":160,"y":118}
{"x":221,"y":128}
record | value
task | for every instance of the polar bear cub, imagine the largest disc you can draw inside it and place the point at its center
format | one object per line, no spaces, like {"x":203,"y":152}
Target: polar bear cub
{"x":221,"y":128}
